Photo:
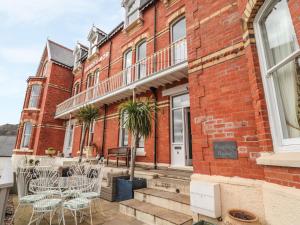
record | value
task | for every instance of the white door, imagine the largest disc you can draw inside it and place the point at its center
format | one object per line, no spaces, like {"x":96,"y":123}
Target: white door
{"x":179,"y":152}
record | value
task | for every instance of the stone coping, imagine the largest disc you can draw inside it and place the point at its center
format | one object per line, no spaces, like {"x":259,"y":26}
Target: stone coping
{"x":284,"y":159}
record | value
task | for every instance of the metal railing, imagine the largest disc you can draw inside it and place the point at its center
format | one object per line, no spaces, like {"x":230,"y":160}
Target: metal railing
{"x":164,"y":59}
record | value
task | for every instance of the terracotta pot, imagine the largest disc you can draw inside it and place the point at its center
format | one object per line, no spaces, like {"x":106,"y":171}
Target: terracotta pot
{"x":240,"y":217}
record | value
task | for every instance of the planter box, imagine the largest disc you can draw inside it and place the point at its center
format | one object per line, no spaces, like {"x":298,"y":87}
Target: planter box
{"x":125,"y":187}
{"x":110,"y":193}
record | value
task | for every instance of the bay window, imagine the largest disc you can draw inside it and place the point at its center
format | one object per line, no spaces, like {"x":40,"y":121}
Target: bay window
{"x":27,"y":130}
{"x":132,"y":11}
{"x":34,"y":96}
{"x":279,"y":58}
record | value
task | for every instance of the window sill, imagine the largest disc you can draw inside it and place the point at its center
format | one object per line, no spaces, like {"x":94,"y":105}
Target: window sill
{"x":32,"y":109}
{"x":132,"y":25}
{"x":24,"y":150}
{"x":284,"y":159}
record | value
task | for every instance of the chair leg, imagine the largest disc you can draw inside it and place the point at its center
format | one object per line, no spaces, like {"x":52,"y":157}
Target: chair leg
{"x":107,"y":160}
{"x":91,"y":216}
{"x":50,"y":221}
{"x":30,"y":221}
{"x":63,"y":215}
{"x":16,"y":211}
{"x":75,"y":216}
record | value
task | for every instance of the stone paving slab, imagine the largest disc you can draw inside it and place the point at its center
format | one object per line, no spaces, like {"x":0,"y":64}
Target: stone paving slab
{"x":108,"y":214}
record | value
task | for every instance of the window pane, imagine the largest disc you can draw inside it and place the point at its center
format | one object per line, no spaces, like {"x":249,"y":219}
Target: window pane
{"x":177,"y":126}
{"x":34,"y":96}
{"x":179,"y":30}
{"x":26,"y":134}
{"x":127,"y":66}
{"x":279,"y":34}
{"x":141,"y":56}
{"x":287,"y":88}
{"x":180,"y":101}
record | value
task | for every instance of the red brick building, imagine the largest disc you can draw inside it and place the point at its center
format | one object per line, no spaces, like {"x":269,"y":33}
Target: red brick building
{"x":225,"y":76}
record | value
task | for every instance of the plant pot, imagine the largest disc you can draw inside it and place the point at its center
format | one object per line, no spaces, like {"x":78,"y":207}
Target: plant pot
{"x":50,"y":152}
{"x":125,"y":187}
{"x":240,"y":217}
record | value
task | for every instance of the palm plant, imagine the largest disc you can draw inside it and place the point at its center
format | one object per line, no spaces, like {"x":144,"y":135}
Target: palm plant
{"x":86,"y":115}
{"x":138,"y":121}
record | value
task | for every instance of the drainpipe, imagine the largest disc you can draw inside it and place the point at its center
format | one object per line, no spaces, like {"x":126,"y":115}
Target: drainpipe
{"x":103,"y":132}
{"x":154,"y":90}
{"x":154,"y":93}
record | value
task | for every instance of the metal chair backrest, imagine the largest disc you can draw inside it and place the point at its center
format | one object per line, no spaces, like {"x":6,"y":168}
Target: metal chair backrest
{"x":23,"y":177}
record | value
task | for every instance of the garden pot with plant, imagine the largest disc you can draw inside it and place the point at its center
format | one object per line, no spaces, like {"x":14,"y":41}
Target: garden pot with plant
{"x":137,"y":119}
{"x":50,"y":151}
{"x":86,"y":116}
{"x":240,"y":217}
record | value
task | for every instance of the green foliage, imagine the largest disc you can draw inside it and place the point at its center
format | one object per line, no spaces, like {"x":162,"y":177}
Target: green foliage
{"x":87,"y":114}
{"x":138,"y":117}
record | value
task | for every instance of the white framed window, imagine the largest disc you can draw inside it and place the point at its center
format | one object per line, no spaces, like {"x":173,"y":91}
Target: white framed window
{"x":132,"y":11}
{"x":123,"y":134}
{"x":141,"y":54}
{"x":127,"y":66}
{"x":178,"y":34}
{"x":91,"y":132}
{"x":93,"y":45}
{"x":279,"y":60}
{"x":76,"y":89}
{"x":89,"y":81}
{"x":96,"y":77}
{"x":27,"y":130}
{"x":34,"y":96}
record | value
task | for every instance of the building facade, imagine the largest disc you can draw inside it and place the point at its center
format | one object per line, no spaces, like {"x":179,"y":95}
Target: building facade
{"x":225,"y":77}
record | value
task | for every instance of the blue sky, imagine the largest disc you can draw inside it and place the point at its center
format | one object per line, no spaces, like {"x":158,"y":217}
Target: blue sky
{"x":26,"y":25}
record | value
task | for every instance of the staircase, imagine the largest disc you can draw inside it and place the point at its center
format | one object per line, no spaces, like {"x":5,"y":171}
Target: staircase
{"x":166,"y":201}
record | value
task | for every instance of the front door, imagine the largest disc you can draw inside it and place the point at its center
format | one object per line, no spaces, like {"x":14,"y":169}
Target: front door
{"x":181,"y":132}
{"x":68,"y":143}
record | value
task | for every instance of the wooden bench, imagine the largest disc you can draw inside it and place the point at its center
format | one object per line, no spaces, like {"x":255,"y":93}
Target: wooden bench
{"x":120,"y":152}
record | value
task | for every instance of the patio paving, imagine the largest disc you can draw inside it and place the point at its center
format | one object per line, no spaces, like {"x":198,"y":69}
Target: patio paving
{"x":108,"y":214}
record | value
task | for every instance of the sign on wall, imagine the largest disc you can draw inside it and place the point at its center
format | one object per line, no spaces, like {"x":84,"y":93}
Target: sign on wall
{"x":225,"y":150}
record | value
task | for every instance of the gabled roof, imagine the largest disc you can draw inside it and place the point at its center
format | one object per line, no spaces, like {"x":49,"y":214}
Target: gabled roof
{"x":95,"y":29}
{"x":60,"y":54}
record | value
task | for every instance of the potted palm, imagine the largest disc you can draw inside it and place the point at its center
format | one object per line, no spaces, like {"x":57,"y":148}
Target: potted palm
{"x":86,"y":115}
{"x":138,"y":121}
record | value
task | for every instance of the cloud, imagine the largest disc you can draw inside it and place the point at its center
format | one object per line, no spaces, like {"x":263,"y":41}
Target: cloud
{"x":40,"y":12}
{"x":19,"y":55}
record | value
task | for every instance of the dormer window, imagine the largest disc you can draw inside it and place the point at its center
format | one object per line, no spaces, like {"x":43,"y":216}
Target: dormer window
{"x":95,"y":35}
{"x":79,"y":52}
{"x":132,"y":12}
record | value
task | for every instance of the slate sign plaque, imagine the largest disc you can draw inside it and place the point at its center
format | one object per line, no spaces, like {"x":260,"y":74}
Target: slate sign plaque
{"x":225,"y":150}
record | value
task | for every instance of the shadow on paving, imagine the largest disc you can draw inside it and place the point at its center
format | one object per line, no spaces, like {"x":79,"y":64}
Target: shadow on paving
{"x":108,"y":214}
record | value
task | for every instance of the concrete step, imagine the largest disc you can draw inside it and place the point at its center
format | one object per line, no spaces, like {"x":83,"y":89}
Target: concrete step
{"x":166,"y":199}
{"x":170,"y":184}
{"x":152,"y":214}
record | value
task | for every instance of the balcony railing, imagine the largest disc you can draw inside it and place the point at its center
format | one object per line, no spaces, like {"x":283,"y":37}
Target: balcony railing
{"x":166,"y":58}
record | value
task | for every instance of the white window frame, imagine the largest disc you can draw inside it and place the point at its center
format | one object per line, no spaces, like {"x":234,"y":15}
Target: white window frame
{"x":178,"y":43}
{"x":34,"y":98}
{"x":127,"y":68}
{"x":26,"y":136}
{"x":76,"y":89}
{"x":280,"y":144}
{"x":142,"y":67}
{"x":93,"y":45}
{"x":127,"y":14}
{"x":121,"y":133}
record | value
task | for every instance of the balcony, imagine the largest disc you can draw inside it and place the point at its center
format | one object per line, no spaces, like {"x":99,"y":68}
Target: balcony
{"x":163,"y":67}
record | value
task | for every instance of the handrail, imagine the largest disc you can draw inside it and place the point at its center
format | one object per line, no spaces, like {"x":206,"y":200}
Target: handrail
{"x":173,"y":55}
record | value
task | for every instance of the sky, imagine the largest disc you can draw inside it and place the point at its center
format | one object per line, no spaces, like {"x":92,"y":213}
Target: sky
{"x":24,"y":28}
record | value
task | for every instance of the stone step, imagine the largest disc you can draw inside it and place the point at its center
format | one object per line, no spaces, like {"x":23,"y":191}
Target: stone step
{"x":152,"y":214}
{"x":166,"y":199}
{"x":170,"y":184}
